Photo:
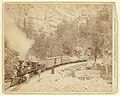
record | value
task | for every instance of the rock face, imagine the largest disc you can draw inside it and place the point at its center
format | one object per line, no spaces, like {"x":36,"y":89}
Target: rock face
{"x":87,"y":73}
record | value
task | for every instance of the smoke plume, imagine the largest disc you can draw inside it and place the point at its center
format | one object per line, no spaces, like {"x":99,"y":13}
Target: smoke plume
{"x":16,"y":39}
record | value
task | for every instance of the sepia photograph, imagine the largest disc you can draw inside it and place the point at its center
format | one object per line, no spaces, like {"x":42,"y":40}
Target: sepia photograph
{"x":59,"y":47}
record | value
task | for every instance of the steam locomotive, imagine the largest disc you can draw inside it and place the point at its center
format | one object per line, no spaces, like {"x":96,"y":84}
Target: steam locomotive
{"x":30,"y":68}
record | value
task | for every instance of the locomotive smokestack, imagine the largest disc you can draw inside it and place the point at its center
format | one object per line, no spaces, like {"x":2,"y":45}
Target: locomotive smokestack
{"x":20,"y":61}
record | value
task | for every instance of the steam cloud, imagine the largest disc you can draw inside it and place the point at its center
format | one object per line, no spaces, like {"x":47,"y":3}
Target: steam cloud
{"x":16,"y":39}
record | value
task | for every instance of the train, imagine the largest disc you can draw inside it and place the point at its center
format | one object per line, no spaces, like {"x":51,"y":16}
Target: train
{"x":32,"y":67}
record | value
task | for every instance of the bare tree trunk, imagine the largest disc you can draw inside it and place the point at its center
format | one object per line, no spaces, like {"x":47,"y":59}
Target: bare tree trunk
{"x":95,"y":54}
{"x":106,"y":67}
{"x":61,"y":58}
